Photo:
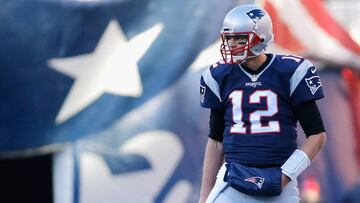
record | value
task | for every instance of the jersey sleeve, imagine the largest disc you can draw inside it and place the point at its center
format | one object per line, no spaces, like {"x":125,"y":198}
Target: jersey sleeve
{"x":209,"y":91}
{"x":305,"y":84}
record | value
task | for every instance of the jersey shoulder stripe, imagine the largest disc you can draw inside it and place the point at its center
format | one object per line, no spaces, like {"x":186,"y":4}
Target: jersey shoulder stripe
{"x":299,"y":74}
{"x":211,"y":82}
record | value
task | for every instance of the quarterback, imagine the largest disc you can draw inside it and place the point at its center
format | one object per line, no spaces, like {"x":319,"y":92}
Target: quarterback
{"x":255,"y":100}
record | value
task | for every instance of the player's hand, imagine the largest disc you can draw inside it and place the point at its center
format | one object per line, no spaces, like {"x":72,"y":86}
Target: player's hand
{"x":284,"y":181}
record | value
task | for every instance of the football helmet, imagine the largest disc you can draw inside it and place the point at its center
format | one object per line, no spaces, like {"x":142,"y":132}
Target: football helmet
{"x":251,"y":28}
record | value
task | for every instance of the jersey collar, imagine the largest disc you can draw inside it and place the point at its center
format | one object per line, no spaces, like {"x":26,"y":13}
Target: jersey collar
{"x":254,"y":75}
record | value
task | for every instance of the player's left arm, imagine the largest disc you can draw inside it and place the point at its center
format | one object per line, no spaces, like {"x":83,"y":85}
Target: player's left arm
{"x":313,"y":144}
{"x":310,"y":120}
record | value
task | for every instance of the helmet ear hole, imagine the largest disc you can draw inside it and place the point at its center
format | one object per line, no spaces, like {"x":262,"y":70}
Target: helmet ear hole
{"x":262,"y":40}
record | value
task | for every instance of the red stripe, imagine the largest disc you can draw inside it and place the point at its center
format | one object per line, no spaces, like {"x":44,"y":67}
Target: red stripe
{"x":322,"y":17}
{"x":283,"y":36}
{"x":352,"y":80}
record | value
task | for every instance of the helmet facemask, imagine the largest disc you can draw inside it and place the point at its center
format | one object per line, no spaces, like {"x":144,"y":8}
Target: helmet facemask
{"x":230,"y":50}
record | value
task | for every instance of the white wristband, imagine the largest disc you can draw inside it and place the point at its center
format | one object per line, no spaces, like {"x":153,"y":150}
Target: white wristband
{"x":295,"y":164}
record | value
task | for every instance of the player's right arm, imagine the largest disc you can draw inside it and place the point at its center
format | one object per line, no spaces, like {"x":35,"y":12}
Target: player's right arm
{"x":214,"y":157}
{"x":214,"y":154}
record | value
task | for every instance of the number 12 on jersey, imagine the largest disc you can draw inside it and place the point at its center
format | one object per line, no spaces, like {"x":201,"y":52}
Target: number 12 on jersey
{"x":256,"y":127}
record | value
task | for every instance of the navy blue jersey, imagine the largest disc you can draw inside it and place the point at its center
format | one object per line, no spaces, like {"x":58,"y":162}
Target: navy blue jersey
{"x":260,"y":127}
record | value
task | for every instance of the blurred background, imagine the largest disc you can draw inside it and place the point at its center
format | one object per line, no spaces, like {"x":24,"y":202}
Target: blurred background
{"x":99,"y":99}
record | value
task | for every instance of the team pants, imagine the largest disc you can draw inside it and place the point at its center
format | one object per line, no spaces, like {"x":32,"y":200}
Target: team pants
{"x":223,"y":193}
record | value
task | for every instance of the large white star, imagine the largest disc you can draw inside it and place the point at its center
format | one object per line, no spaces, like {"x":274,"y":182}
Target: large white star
{"x":207,"y":57}
{"x":111,"y":68}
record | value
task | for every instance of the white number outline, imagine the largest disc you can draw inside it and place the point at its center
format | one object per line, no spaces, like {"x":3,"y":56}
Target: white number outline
{"x":292,"y":57}
{"x":256,"y":126}
{"x":238,"y":127}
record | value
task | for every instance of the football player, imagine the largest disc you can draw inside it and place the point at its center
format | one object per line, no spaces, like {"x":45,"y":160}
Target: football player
{"x":256,"y":99}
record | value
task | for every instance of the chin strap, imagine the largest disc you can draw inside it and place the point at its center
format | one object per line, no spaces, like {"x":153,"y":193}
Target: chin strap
{"x":296,"y":164}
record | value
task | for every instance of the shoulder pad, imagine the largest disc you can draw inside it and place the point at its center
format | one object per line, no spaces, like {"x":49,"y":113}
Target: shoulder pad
{"x":217,"y":64}
{"x":289,"y":63}
{"x":220,"y":69}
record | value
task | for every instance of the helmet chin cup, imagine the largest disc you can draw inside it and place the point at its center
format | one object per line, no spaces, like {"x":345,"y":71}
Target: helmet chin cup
{"x":235,"y":59}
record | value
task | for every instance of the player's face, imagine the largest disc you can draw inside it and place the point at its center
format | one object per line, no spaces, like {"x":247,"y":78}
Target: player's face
{"x":236,"y":43}
{"x":235,"y":46}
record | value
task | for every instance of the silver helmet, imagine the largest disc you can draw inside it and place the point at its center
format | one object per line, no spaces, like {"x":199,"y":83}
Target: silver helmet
{"x":248,"y":21}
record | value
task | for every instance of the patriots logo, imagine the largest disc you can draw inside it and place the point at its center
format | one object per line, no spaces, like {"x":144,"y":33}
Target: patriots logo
{"x":313,"y":83}
{"x":256,"y":14}
{"x":202,"y":93}
{"x":258,"y":181}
